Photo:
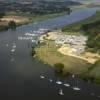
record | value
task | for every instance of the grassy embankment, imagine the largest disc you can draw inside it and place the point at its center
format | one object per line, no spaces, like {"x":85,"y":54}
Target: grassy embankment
{"x":48,"y":54}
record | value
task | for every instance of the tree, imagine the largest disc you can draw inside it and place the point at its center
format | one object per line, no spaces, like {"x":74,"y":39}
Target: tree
{"x":2,"y":14}
{"x":59,"y":67}
{"x":33,"y":51}
{"x":12,"y":24}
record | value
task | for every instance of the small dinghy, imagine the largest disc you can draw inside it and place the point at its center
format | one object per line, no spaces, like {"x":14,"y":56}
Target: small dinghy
{"x":58,"y":82}
{"x":67,"y":85}
{"x":61,"y":92}
{"x":76,"y":88}
{"x":41,"y":76}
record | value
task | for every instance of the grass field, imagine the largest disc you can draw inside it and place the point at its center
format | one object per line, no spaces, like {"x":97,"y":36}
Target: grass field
{"x":48,"y":54}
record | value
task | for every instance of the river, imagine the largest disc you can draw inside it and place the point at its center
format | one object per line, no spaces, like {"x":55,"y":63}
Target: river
{"x":20,"y":73}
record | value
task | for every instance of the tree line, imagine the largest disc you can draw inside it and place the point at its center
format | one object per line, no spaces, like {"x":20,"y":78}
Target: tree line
{"x":93,"y":32}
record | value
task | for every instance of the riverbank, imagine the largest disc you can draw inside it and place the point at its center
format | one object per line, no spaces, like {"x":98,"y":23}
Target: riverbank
{"x":26,"y":19}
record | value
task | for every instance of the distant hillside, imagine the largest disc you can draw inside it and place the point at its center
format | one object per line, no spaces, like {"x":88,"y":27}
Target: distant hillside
{"x":36,"y":6}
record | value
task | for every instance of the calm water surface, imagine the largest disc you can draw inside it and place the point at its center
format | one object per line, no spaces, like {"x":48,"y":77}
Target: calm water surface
{"x":20,"y":73}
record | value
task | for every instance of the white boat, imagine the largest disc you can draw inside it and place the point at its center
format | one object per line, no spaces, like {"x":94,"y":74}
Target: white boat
{"x":58,"y":82}
{"x":76,"y":88}
{"x":7,"y":45}
{"x":30,"y":34}
{"x":14,"y":46}
{"x":41,"y":76}
{"x":73,"y":76}
{"x":50,"y":80}
{"x":33,"y":41}
{"x":67,"y":85}
{"x":13,"y":50}
{"x":61,"y":92}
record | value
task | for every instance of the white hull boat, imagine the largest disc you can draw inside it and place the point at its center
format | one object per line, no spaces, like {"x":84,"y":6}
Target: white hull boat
{"x":76,"y":88}
{"x":67,"y":85}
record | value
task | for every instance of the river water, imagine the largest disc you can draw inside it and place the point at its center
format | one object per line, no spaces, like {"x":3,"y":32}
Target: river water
{"x":20,"y":73}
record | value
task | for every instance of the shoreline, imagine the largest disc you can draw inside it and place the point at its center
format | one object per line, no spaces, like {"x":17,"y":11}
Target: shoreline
{"x":29,"y":20}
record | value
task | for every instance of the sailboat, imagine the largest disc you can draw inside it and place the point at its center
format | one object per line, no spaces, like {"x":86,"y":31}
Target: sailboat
{"x":13,"y":50}
{"x":76,"y":88}
{"x":67,"y":85}
{"x":58,"y":82}
{"x":61,"y":92}
{"x":14,"y":45}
